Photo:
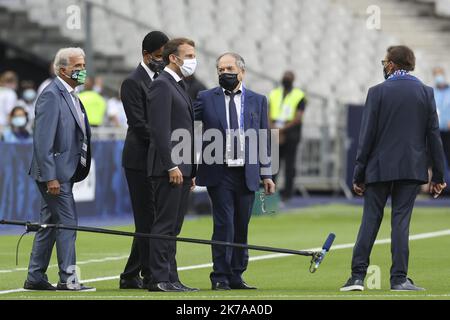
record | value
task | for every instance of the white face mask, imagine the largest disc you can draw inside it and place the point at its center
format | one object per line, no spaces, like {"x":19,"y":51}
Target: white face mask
{"x":188,"y":68}
{"x":19,"y":121}
{"x":29,"y":95}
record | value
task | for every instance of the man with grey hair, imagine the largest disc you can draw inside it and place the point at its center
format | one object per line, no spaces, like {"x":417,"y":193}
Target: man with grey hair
{"x":61,"y":157}
{"x":232,"y":108}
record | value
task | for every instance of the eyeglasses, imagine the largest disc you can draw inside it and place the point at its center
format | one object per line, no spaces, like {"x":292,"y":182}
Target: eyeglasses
{"x":383,"y":62}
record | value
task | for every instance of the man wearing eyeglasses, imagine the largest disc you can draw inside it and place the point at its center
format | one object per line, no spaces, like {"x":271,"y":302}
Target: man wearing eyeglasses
{"x":399,"y":126}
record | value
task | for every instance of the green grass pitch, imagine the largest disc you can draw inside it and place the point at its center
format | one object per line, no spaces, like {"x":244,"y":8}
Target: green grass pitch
{"x":102,"y":258}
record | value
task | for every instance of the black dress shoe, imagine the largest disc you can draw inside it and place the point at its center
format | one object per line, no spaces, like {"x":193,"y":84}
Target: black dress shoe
{"x":132,"y":283}
{"x":146,"y":282}
{"x":220,"y":286}
{"x":408,"y":285}
{"x":179,"y":285}
{"x":241,"y":286}
{"x":76,"y":287}
{"x":353,"y":284}
{"x":163,"y":287}
{"x":41,"y":286}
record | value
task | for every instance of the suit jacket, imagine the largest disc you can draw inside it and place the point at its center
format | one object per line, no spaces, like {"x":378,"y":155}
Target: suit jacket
{"x":210,"y":109}
{"x":134,"y":95}
{"x":399,"y":129}
{"x":169,"y":108}
{"x":58,"y":137}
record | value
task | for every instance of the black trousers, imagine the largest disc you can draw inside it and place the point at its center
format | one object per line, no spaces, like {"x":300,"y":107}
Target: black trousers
{"x":403,"y":195}
{"x":288,"y":155}
{"x":143,"y":204}
{"x":445,"y":136}
{"x":171,"y":207}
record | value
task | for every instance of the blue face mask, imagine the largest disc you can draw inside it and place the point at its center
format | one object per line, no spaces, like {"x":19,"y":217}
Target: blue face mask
{"x":19,"y":122}
{"x":439,"y":80}
{"x":29,"y":95}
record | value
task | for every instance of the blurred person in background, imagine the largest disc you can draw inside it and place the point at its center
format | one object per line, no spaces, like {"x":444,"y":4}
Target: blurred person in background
{"x":98,"y":85}
{"x":287,"y":105}
{"x":194,"y":86}
{"x":115,"y":112}
{"x":442,"y":97}
{"x":8,"y":95}
{"x":17,"y":131}
{"x":46,"y":82}
{"x":93,"y":102}
{"x":399,"y":129}
{"x":10,"y":80}
{"x":28,"y":99}
{"x":134,"y":94}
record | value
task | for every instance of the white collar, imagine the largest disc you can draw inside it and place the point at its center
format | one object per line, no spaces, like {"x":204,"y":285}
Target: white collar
{"x":240,"y":88}
{"x":66,"y":85}
{"x":150,"y":73}
{"x":173,"y":74}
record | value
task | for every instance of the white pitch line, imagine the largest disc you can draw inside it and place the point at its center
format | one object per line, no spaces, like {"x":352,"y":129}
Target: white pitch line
{"x":420,"y":236}
{"x":78,"y":263}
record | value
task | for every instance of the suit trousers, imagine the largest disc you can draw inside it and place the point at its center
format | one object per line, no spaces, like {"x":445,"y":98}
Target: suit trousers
{"x":288,"y":154}
{"x":54,"y":210}
{"x":232,"y":204}
{"x":143,"y":204}
{"x":171,"y":207}
{"x":403,"y":195}
{"x":445,"y":137}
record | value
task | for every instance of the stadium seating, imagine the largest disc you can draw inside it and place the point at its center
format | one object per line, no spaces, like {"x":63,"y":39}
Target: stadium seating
{"x":323,"y":41}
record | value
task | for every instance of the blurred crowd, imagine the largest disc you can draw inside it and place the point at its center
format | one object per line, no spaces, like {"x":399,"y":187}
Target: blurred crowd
{"x":18,"y":97}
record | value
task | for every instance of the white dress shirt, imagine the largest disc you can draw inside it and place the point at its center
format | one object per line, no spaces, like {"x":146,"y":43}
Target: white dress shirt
{"x":173,"y":74}
{"x":238,"y":102}
{"x":69,"y":89}
{"x":150,"y":73}
{"x":177,"y":79}
{"x":73,"y":93}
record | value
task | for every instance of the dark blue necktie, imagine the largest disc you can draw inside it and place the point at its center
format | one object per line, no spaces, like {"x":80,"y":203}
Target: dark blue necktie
{"x":234,"y":122}
{"x":182,"y":84}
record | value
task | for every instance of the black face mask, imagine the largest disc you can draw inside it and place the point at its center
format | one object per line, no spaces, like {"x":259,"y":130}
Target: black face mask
{"x":229,"y":81}
{"x":156,"y":65}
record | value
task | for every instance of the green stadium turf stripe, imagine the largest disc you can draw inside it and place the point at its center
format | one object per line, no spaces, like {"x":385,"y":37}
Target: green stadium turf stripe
{"x":420,"y":236}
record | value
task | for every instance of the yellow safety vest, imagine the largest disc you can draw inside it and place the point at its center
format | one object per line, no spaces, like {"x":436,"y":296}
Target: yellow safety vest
{"x":95,"y":106}
{"x":284,"y":109}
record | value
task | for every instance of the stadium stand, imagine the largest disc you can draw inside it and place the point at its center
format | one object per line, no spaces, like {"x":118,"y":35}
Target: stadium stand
{"x":323,"y":40}
{"x":327,"y":43}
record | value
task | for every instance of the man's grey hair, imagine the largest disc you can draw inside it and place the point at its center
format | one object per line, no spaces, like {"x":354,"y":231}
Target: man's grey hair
{"x":63,"y":56}
{"x":240,"y":62}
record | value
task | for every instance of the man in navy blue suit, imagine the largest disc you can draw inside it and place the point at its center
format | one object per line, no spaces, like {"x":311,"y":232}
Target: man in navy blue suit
{"x":399,"y":130}
{"x":233,"y":178}
{"x":169,"y":110}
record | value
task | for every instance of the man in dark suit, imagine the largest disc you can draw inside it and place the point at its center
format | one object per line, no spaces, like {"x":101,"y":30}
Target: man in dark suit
{"x":61,"y":157}
{"x":399,"y":125}
{"x":232,"y":185}
{"x":170,"y":112}
{"x":134,"y":94}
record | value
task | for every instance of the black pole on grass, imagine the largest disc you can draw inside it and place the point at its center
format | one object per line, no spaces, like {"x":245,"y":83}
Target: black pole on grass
{"x":317,"y":256}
